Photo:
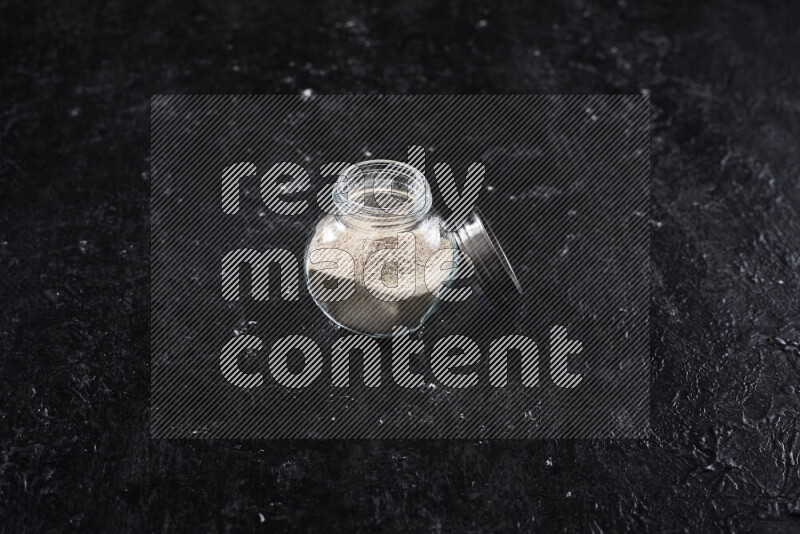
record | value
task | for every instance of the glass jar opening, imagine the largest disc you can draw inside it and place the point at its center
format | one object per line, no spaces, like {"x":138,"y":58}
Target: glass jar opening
{"x":382,"y":193}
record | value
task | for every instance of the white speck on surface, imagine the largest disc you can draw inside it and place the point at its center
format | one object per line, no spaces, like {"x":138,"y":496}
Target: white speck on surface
{"x":306,"y":94}
{"x":482,"y":24}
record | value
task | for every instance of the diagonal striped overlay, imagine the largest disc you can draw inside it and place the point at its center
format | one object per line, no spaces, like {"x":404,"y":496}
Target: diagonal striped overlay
{"x":565,"y":186}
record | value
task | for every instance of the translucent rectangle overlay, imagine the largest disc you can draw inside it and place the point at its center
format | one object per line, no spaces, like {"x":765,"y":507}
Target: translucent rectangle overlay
{"x":565,"y":188}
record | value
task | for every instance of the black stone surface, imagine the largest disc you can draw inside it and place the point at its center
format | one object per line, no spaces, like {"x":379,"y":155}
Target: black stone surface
{"x":724,"y":79}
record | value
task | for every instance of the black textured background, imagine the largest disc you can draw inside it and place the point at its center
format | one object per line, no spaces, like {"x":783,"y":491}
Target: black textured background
{"x":74,"y":139}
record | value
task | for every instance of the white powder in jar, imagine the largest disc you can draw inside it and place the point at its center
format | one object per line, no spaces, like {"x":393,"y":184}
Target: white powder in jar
{"x":366,"y":313}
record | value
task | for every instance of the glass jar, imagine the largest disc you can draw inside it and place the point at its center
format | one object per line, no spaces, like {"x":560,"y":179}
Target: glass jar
{"x":365,"y":264}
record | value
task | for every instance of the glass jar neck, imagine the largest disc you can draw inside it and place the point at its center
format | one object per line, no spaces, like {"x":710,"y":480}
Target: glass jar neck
{"x":368,"y":223}
{"x":382,"y":194}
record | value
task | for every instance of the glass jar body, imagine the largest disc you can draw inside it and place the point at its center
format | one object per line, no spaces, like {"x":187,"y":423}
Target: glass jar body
{"x":371,"y":278}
